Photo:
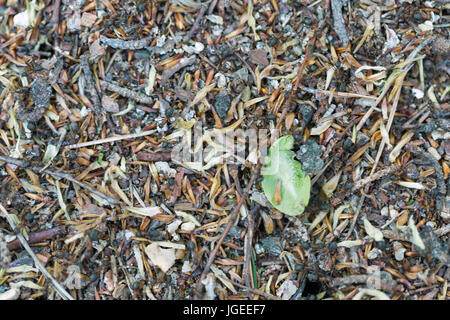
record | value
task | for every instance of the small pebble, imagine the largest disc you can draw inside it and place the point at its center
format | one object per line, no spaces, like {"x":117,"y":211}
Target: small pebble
{"x":417,"y":16}
{"x":307,"y":21}
{"x":272,"y":42}
{"x":93,"y":235}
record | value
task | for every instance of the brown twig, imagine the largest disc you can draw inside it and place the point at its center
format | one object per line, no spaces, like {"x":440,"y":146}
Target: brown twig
{"x":233,"y":217}
{"x":137,"y":96}
{"x":196,"y":24}
{"x":408,"y":125}
{"x":234,"y":173}
{"x":91,"y":88}
{"x":297,"y":81}
{"x":302,"y":67}
{"x":248,"y":246}
{"x":184,"y":62}
{"x":37,"y":237}
{"x":55,"y":16}
{"x":337,"y":93}
{"x":154,"y":156}
{"x":361,"y":183}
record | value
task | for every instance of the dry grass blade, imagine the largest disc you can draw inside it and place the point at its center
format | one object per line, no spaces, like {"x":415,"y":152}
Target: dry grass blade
{"x":111,"y":139}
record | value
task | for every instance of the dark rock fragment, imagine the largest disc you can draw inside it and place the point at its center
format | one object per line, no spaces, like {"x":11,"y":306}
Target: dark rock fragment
{"x":309,"y":156}
{"x":222,"y":105}
{"x":40,"y":94}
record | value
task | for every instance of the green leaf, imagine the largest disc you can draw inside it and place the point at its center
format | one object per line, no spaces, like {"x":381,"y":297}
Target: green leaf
{"x":100,"y":158}
{"x":281,"y":169}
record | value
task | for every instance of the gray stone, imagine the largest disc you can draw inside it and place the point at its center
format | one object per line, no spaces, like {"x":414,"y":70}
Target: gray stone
{"x":222,"y":105}
{"x":309,"y":156}
{"x":242,"y":74}
{"x":271,"y":245}
{"x":307,"y":113}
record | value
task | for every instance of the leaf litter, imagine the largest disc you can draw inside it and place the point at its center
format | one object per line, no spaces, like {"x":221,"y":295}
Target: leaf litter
{"x":94,"y":97}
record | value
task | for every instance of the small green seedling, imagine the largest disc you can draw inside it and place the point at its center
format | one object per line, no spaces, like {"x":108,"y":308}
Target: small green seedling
{"x":285,"y":185}
{"x":100,"y":158}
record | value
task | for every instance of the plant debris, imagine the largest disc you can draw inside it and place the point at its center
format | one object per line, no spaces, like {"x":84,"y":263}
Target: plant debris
{"x":133,"y":136}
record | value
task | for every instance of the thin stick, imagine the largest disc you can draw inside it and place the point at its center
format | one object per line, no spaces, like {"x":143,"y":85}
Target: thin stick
{"x":297,"y":81}
{"x":154,"y":156}
{"x":234,"y":215}
{"x":111,"y":139}
{"x":355,"y":218}
{"x":55,"y":16}
{"x":314,"y":180}
{"x":338,"y":94}
{"x":212,"y":6}
{"x":196,"y":24}
{"x":302,"y":67}
{"x":67,"y":176}
{"x":361,"y":183}
{"x":62,"y":175}
{"x":61,"y":291}
{"x":37,"y":237}
{"x":407,"y":124}
{"x":184,"y":62}
{"x":248,"y":246}
{"x":137,"y":96}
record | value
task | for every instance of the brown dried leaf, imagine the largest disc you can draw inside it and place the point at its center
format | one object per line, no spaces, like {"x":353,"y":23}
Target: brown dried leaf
{"x":268,"y":222}
{"x":359,"y":153}
{"x":259,"y":56}
{"x":88,"y":19}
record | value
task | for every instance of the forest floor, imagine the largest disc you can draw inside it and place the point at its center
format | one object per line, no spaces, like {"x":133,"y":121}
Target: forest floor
{"x":96,"y":97}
